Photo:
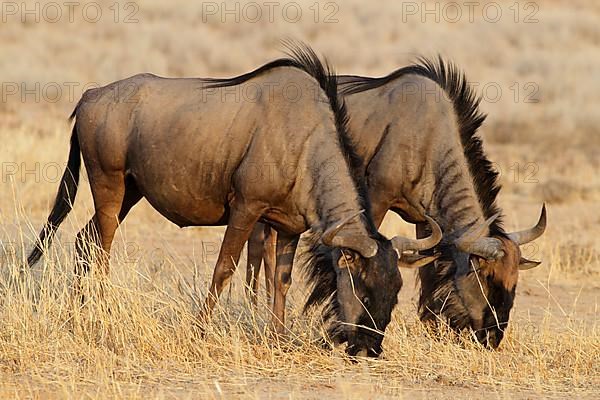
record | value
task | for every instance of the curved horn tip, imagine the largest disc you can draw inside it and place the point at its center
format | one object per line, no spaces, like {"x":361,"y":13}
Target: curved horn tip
{"x":529,"y":235}
{"x":487,"y":222}
{"x":477,"y":230}
{"x":436,"y":231}
{"x":543,"y":210}
{"x":542,"y":220}
{"x":413,"y":261}
{"x":402,"y":244}
{"x":491,"y":219}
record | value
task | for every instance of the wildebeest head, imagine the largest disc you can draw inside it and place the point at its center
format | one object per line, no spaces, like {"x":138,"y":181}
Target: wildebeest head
{"x":475,"y":287}
{"x":367,"y":286}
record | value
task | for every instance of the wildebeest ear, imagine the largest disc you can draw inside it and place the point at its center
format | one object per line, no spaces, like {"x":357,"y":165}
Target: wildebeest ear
{"x":416,"y":260}
{"x":525,"y":264}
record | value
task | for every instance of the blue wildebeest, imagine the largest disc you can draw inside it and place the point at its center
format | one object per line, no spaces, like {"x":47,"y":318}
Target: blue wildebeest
{"x":189,"y":152}
{"x":415,"y":131}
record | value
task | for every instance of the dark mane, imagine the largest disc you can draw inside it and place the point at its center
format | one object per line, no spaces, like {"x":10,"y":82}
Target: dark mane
{"x":466,"y":105}
{"x":325,"y":75}
{"x":317,"y":263}
{"x":317,"y":266}
{"x":238,"y":80}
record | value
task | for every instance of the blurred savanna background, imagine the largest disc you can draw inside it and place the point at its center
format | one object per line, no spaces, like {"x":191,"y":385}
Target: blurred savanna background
{"x":534,"y":63}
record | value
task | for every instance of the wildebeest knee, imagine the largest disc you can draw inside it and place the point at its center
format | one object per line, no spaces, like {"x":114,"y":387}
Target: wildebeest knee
{"x":285,"y":278}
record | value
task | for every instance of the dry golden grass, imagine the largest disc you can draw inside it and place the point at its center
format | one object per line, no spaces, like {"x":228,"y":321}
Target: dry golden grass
{"x":140,"y":340}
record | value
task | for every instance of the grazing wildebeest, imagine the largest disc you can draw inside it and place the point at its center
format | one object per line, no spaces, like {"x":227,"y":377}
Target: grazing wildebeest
{"x":190,"y":152}
{"x":416,"y":132}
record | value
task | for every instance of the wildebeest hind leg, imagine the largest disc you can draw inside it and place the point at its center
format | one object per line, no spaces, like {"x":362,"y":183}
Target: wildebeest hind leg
{"x":86,"y":245}
{"x":269,"y":256}
{"x":93,"y":249}
{"x":240,"y":224}
{"x":112,"y":202}
{"x":255,"y":256}
{"x":286,"y":249}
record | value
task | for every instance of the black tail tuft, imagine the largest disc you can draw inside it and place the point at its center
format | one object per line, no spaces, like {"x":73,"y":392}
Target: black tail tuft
{"x":64,"y":198}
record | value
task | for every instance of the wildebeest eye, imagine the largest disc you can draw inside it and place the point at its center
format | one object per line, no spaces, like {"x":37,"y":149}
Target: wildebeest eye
{"x":365,"y":301}
{"x":348,"y":255}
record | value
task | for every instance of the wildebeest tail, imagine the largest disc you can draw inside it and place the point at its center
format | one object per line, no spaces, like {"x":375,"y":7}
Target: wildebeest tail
{"x":64,"y":198}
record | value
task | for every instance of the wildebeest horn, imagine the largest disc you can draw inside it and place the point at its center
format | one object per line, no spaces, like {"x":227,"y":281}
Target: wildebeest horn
{"x":416,"y":260}
{"x":530,"y":235}
{"x":367,"y":247}
{"x":474,"y":242}
{"x":402,"y":244}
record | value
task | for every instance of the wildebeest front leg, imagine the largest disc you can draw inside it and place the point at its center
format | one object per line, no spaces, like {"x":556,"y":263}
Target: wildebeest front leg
{"x":261,"y":246}
{"x":270,"y":256}
{"x":286,"y":249}
{"x":238,"y":231}
{"x":255,"y":257}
